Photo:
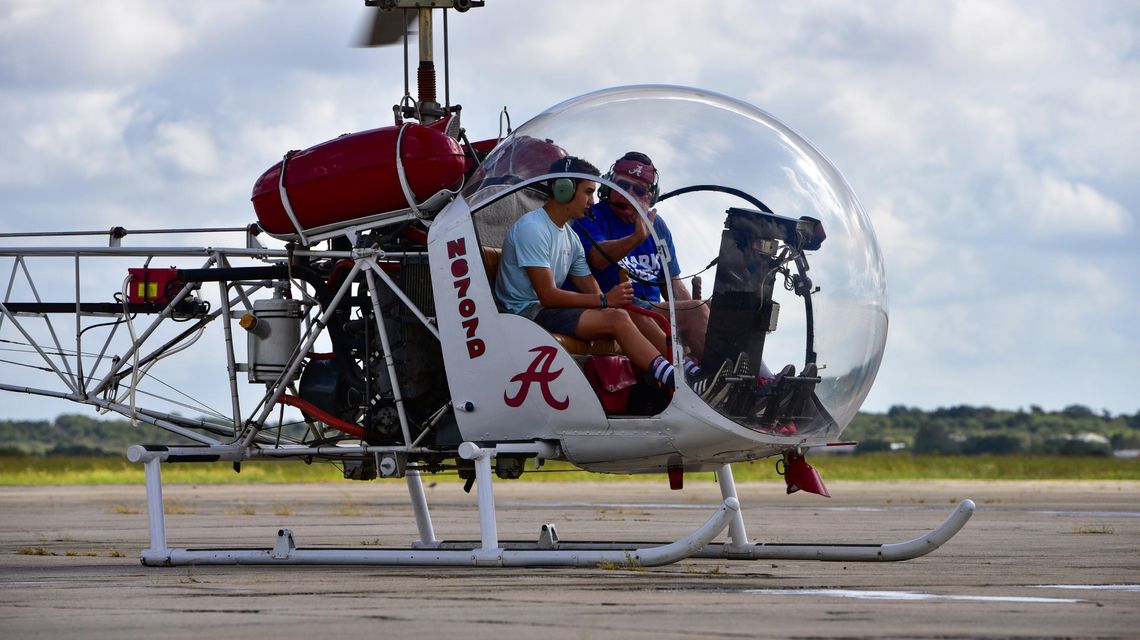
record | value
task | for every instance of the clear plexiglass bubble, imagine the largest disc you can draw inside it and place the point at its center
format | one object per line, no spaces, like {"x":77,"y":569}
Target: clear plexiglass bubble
{"x":704,"y":141}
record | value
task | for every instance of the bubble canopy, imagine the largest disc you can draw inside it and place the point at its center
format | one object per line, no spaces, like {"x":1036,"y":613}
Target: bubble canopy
{"x":728,"y":161}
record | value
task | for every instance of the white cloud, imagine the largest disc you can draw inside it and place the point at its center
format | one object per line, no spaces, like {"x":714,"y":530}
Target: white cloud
{"x":50,"y":43}
{"x":56,"y":135}
{"x":1073,"y":208}
{"x":187,"y":146}
{"x":999,"y":34}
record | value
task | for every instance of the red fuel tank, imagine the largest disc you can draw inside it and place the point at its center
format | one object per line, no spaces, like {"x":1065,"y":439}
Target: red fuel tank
{"x":355,"y":176}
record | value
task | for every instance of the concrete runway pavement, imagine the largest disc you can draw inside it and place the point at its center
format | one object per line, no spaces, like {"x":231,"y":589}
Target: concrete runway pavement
{"x":1038,"y":560}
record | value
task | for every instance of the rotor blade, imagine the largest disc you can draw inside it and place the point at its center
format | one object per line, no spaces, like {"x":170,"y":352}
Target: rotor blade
{"x":379,"y":28}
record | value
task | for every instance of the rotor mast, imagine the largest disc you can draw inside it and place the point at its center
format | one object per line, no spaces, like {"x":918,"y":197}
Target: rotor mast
{"x":426,"y":109}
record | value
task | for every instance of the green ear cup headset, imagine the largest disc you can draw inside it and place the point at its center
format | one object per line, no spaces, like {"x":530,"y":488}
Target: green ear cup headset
{"x":563,"y":188}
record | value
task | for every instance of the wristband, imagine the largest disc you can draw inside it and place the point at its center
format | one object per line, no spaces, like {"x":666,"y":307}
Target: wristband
{"x":605,"y":303}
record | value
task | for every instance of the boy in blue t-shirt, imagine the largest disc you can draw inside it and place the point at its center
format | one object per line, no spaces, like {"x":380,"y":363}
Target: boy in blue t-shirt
{"x":540,"y":254}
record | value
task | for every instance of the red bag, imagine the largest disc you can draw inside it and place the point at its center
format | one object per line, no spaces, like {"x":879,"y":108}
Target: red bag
{"x":611,"y":377}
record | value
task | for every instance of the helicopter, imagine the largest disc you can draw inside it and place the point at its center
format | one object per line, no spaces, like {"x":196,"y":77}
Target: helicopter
{"x":364,"y":293}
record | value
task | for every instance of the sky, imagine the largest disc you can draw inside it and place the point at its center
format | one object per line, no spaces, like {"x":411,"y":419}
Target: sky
{"x":994,"y":146}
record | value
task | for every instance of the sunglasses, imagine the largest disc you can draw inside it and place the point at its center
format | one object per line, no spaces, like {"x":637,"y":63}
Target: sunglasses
{"x":636,"y":189}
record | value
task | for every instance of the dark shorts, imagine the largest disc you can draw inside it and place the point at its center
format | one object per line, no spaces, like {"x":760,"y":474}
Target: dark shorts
{"x":559,"y":319}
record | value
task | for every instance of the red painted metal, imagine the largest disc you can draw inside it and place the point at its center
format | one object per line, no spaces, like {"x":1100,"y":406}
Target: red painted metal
{"x":355,"y":176}
{"x":481,"y":148}
{"x":798,"y":474}
{"x":153,"y":285}
{"x":311,"y":410}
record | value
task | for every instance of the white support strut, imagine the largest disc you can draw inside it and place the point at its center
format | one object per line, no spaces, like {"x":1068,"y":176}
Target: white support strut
{"x":488,"y":528}
{"x":736,"y":531}
{"x":154,"y":508}
{"x":420,"y":507}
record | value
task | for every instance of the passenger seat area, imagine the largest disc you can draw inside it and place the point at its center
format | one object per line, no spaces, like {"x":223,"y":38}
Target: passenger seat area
{"x":576,"y":346}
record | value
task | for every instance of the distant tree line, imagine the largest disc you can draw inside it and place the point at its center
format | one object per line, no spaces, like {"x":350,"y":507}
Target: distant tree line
{"x":1074,"y":430}
{"x":79,"y":435}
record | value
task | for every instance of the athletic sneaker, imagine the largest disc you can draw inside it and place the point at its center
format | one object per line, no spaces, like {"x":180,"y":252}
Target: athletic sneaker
{"x":743,"y":368}
{"x":709,"y":385}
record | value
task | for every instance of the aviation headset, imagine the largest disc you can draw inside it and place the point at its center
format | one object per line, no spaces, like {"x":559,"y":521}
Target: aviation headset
{"x":563,"y":188}
{"x":640,"y":158}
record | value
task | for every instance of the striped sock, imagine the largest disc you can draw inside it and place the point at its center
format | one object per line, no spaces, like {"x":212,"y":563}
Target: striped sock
{"x":692,"y":369}
{"x":662,"y":371}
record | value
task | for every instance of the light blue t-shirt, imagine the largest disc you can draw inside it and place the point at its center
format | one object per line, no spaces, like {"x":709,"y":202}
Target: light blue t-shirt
{"x":535,"y":241}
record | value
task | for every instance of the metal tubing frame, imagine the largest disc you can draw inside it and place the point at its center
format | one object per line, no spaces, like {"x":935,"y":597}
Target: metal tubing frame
{"x":156,"y":522}
{"x":70,"y":384}
{"x":404,"y":298}
{"x":283,"y":381}
{"x":420,"y":507}
{"x":736,"y":531}
{"x":158,"y":419}
{"x":78,"y":334}
{"x":227,"y":332}
{"x":885,"y":552}
{"x":389,"y":361}
{"x":739,"y":548}
{"x":134,"y":348}
{"x":426,"y":551}
{"x":89,"y":384}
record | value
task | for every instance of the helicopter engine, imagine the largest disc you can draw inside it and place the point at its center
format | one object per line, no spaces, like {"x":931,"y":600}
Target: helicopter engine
{"x":353,"y":382}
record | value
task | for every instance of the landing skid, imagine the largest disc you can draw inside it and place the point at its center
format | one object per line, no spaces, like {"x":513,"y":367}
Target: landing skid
{"x":740,"y":549}
{"x":548,"y":551}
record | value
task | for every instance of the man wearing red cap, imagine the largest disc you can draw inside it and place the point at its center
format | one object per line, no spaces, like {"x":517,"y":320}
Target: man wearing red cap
{"x":617,"y":238}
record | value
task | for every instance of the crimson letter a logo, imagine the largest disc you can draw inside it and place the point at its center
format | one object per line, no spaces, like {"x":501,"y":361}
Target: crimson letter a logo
{"x":539,"y":372}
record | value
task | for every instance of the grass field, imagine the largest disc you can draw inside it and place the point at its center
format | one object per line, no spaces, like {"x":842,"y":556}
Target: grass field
{"x":35,"y":470}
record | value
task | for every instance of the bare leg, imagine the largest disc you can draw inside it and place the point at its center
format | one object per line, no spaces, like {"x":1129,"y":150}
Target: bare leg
{"x":652,"y":331}
{"x":692,"y":323}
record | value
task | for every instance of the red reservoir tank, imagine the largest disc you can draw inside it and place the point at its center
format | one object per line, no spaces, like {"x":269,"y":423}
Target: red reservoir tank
{"x":355,"y":175}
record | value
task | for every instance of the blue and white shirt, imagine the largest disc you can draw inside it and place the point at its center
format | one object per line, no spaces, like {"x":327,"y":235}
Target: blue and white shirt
{"x":643,"y":261}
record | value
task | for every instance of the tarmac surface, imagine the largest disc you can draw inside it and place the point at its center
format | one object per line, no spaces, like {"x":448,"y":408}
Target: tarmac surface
{"x":1037,"y":560}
